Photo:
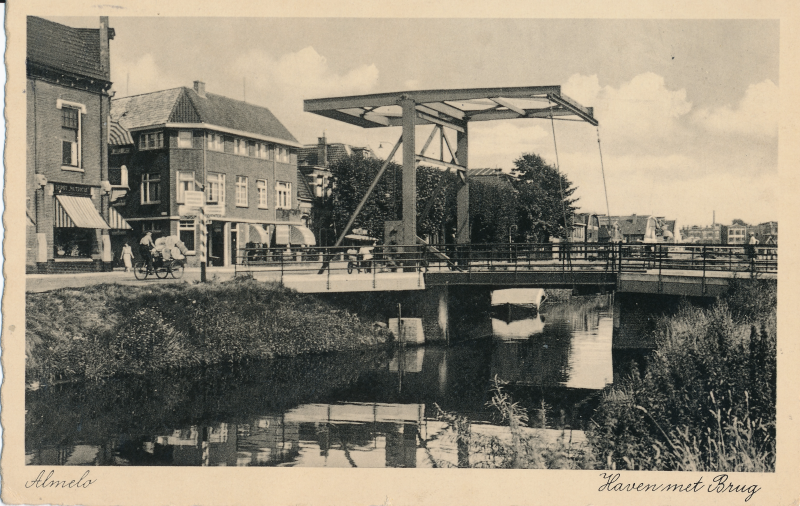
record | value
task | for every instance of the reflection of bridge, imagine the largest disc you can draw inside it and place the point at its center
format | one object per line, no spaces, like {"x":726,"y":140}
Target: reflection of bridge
{"x":670,"y":269}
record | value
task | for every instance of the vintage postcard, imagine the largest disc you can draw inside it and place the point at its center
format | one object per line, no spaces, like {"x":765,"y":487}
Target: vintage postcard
{"x":397,"y":253}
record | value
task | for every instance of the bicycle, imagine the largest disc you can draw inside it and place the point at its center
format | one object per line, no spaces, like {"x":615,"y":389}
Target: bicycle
{"x":173,"y":267}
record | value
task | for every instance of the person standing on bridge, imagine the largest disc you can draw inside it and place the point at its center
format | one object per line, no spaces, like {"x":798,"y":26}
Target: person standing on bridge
{"x":751,"y":250}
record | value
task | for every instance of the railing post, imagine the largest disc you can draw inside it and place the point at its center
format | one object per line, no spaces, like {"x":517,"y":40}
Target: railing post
{"x":704,"y":269}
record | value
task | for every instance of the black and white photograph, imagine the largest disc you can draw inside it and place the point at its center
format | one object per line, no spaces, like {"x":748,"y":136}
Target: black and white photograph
{"x":336,"y":240}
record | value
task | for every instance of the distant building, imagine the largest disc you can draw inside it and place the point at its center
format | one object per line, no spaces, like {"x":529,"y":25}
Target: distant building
{"x":767,"y":232}
{"x":640,"y":229}
{"x":585,"y":228}
{"x":313,"y":163}
{"x":67,"y":94}
{"x":185,"y":139}
{"x":711,"y":234}
{"x":737,"y":234}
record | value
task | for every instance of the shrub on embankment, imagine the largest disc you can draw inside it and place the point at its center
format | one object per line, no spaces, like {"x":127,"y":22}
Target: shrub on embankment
{"x":105,"y":330}
{"x":707,"y":399}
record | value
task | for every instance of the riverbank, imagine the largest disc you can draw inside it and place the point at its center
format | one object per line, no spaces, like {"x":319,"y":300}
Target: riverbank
{"x":107,"y":330}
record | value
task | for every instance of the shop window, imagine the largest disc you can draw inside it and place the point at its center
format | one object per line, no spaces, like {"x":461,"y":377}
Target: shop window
{"x":261,"y":186}
{"x":185,"y":183}
{"x":73,"y":242}
{"x":284,"y":195}
{"x":215,"y":189}
{"x":151,"y":188}
{"x":241,"y":191}
{"x":186,"y":233}
{"x":185,"y":139}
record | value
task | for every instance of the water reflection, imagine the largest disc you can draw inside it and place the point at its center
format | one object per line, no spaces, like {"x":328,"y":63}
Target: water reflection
{"x":361,"y":409}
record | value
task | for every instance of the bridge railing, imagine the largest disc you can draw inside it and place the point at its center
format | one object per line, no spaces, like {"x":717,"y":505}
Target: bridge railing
{"x":564,"y":257}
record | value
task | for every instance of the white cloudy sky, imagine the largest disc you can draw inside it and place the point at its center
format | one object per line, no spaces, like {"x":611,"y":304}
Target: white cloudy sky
{"x":687,"y":109}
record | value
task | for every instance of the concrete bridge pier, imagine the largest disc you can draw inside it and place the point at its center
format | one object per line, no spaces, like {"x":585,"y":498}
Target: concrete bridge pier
{"x":435,"y":312}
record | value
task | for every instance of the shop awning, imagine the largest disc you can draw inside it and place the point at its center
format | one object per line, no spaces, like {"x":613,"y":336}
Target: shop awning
{"x":77,"y":212}
{"x":294,"y":234}
{"x":258,"y":234}
{"x":117,"y":222}
{"x":302,"y":235}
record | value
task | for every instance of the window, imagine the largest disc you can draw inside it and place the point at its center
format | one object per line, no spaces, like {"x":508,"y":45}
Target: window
{"x":215,"y":142}
{"x":151,"y":184}
{"x":240,"y":147}
{"x":185,"y":139}
{"x":263,"y":151}
{"x":186,"y":231}
{"x":215,"y":189}
{"x":70,"y":136}
{"x":251,"y":149}
{"x":185,"y":183}
{"x":261,"y":186}
{"x":241,"y":191}
{"x":153,"y":140}
{"x":284,"y":195}
{"x":271,"y":152}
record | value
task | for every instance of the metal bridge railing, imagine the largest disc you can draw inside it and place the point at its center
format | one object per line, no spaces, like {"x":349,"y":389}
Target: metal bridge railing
{"x":275,"y":263}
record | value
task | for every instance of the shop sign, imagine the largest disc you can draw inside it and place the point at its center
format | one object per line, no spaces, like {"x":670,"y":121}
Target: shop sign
{"x":194,"y":199}
{"x":72,"y":189}
{"x":215,"y":210}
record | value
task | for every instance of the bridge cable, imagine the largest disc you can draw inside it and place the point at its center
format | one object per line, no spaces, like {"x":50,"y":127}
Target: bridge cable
{"x":603,"y":171}
{"x":560,"y":185}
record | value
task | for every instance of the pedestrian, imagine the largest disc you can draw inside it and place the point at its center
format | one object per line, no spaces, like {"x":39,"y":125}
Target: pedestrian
{"x":366,"y":256}
{"x":127,"y":256}
{"x":146,"y":246}
{"x":751,"y":250}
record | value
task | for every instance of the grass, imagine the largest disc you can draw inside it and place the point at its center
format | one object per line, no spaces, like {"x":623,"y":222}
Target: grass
{"x":106,"y":330}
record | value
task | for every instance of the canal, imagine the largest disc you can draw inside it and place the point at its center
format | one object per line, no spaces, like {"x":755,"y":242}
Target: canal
{"x":376,"y":408}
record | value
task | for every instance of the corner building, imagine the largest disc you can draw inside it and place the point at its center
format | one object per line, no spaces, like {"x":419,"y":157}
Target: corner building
{"x":239,"y":154}
{"x":67,"y":190}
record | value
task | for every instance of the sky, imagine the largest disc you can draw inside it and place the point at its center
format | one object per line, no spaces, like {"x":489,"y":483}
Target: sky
{"x":688,"y":109}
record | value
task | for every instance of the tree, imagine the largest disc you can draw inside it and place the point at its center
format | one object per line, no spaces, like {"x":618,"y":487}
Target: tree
{"x":545,"y":207}
{"x":351,"y":177}
{"x":492,"y":208}
{"x":737,"y":221}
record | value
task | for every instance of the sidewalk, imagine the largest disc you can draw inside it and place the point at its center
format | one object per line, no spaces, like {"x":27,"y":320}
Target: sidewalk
{"x":47,"y":282}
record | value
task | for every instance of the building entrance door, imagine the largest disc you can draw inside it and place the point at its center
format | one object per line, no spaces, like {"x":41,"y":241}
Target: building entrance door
{"x":234,"y":237}
{"x":216,"y":244}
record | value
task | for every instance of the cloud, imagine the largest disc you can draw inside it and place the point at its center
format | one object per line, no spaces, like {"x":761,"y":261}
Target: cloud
{"x":643,"y":107}
{"x":283,"y":82}
{"x":140,"y":76}
{"x":755,"y":115}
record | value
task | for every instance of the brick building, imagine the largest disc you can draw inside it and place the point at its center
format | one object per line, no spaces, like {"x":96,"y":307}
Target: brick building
{"x":68,"y":95}
{"x":313,"y":162}
{"x":184,"y":139}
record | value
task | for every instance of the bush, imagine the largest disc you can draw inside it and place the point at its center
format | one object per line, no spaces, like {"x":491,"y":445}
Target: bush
{"x":104,"y":330}
{"x":707,"y":400}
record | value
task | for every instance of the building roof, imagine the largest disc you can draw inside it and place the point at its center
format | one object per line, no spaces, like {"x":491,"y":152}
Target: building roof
{"x":303,"y":191}
{"x":74,"y":50}
{"x":308,"y":155}
{"x":184,"y":105}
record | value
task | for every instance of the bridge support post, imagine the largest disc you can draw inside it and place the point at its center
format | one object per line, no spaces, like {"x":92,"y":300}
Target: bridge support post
{"x":462,"y":197}
{"x":435,"y":312}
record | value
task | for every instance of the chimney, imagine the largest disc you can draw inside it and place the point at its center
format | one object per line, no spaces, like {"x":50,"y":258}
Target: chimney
{"x":105,"y":65}
{"x":200,"y":88}
{"x":322,"y":151}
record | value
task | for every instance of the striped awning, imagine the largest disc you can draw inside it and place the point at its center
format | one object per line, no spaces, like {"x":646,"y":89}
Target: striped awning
{"x":77,"y":212}
{"x":302,"y":235}
{"x":117,"y":222}
{"x":118,"y":135}
{"x":281,"y":234}
{"x":259,"y":233}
